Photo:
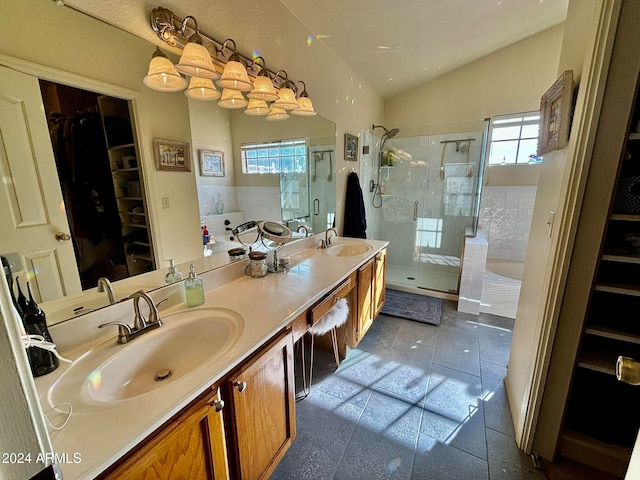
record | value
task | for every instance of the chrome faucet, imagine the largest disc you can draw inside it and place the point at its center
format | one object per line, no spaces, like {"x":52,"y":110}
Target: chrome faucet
{"x":327,"y":237}
{"x":305,"y":229}
{"x":104,"y":285}
{"x":140,"y":325}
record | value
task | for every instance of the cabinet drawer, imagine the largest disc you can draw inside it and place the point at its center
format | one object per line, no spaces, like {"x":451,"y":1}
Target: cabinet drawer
{"x":330,"y":300}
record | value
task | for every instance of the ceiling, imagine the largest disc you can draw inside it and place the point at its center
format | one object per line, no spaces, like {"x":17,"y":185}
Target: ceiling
{"x":392,"y":45}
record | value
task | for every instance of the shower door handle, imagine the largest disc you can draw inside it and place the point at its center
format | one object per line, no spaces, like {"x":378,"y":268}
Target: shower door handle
{"x":316,"y":206}
{"x":415,"y":210}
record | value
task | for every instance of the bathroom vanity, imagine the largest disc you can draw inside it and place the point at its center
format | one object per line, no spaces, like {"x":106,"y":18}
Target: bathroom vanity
{"x":228,"y":409}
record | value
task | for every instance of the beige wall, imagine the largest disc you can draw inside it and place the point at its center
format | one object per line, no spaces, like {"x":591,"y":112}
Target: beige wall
{"x":500,"y":83}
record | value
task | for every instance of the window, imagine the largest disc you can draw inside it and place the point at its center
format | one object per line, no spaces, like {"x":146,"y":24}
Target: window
{"x":513,"y":139}
{"x":280,"y":156}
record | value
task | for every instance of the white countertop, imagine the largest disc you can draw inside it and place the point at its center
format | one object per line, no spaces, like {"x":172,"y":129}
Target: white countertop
{"x":105,"y":432}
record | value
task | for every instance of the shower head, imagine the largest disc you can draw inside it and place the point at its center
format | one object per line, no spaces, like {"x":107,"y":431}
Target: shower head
{"x":391,"y":133}
{"x":387,"y":133}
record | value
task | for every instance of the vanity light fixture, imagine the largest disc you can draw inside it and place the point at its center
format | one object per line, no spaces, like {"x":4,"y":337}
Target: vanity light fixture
{"x":257,"y":107}
{"x":202,"y":89}
{"x":306,"y":107}
{"x":232,"y":99}
{"x":204,"y":56}
{"x":262,"y":85}
{"x":196,"y":60}
{"x":276,"y":114}
{"x":162,"y":75}
{"x":235,"y":75}
{"x":286,"y":97}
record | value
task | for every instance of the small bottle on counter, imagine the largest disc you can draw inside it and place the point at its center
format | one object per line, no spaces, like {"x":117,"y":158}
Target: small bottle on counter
{"x":173,"y":275}
{"x":194,"y":288}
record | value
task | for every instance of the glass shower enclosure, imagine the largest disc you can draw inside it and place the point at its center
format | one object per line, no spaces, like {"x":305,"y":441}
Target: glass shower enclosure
{"x":425,"y":199}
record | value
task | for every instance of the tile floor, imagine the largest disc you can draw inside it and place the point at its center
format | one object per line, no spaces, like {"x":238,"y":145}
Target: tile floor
{"x":413,"y":401}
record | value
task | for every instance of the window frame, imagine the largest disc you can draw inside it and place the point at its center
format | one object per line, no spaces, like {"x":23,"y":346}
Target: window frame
{"x":500,"y":121}
{"x":271,"y":145}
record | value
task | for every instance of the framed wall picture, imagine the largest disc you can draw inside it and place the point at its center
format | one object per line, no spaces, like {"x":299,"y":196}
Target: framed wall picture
{"x":172,"y":156}
{"x":211,"y":163}
{"x":555,"y":114}
{"x":350,"y":147}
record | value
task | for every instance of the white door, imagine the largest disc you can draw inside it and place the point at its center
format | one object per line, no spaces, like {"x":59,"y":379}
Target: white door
{"x":31,"y":207}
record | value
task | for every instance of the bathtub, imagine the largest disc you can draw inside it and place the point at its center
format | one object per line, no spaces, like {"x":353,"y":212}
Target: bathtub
{"x":501,"y":287}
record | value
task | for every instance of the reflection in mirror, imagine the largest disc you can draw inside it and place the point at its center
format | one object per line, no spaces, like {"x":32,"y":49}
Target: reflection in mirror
{"x":245,"y":197}
{"x":273,"y":171}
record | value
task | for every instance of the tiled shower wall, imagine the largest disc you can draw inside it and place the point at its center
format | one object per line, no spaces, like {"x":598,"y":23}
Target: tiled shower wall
{"x":505,"y":217}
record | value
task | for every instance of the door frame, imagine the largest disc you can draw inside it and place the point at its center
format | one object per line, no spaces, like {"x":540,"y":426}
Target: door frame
{"x":55,"y":75}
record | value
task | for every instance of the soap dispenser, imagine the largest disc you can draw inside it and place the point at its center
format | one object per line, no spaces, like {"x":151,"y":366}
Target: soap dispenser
{"x":173,"y":275}
{"x":194,"y":289}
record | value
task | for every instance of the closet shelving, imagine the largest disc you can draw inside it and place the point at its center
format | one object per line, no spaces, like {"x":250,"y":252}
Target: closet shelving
{"x":603,"y":412}
{"x":128,"y":184}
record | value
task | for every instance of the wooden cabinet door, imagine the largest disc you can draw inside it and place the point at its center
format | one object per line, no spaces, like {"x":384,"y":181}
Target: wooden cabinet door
{"x":191,"y":447}
{"x":263,"y":409}
{"x":379,"y":281}
{"x":365,"y":299}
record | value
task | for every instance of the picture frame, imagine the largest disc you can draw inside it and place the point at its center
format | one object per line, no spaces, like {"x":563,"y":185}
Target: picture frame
{"x":172,"y":156}
{"x":555,"y":114}
{"x":350,"y":147}
{"x":211,"y":163}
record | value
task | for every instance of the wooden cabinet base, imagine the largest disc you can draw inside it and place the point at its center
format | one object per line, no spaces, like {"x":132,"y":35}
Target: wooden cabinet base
{"x":191,"y":447}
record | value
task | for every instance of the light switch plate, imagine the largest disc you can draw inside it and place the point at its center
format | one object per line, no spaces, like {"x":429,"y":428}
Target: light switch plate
{"x":165,"y":203}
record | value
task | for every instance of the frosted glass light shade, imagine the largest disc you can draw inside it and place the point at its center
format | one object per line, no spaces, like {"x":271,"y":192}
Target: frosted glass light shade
{"x":257,"y":107}
{"x":232,"y":99}
{"x":235,"y":77}
{"x":286,"y":99}
{"x":202,"y":89}
{"x":263,"y":89}
{"x":277,"y":114}
{"x":306,"y":108}
{"x":196,"y":62}
{"x":163,"y":76}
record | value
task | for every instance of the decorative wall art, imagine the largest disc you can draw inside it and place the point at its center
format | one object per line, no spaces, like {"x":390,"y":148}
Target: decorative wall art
{"x":555,"y":114}
{"x":172,"y":156}
{"x":211,"y":163}
{"x":350,"y":147}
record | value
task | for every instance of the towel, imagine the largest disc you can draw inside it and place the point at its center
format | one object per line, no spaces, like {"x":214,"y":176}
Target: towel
{"x":355,"y":220}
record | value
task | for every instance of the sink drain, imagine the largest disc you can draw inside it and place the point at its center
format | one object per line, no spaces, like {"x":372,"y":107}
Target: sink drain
{"x":163,"y":375}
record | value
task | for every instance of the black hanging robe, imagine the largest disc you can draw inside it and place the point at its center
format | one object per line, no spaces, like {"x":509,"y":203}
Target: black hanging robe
{"x":355,"y":220}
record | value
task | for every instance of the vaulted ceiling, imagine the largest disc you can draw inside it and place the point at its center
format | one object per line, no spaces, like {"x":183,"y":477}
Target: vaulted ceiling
{"x":392,"y":45}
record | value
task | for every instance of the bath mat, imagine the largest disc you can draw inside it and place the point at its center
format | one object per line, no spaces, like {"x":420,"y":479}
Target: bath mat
{"x":413,"y":307}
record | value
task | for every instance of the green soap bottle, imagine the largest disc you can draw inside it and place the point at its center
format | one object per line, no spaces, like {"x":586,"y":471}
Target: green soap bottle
{"x":194,"y":288}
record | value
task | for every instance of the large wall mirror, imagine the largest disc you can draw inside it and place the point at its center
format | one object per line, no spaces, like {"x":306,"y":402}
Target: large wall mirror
{"x":301,"y":195}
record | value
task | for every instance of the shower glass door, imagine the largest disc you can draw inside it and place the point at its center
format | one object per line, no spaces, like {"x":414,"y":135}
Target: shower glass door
{"x":428,"y":206}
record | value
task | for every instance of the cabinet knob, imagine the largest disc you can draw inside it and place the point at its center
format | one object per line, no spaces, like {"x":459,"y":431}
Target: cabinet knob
{"x":217,"y":405}
{"x":241,"y":386}
{"x":335,"y":299}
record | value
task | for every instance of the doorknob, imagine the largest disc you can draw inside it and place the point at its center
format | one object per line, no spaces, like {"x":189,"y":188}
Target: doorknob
{"x":62,"y":237}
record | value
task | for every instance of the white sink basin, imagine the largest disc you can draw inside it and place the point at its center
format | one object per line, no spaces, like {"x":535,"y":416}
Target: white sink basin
{"x":115,"y":373}
{"x":348,"y":249}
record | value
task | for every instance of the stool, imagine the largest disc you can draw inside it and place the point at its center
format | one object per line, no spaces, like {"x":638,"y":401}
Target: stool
{"x":334,"y":318}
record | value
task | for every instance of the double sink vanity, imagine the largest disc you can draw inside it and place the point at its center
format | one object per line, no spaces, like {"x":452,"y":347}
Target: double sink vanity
{"x":210,"y":393}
